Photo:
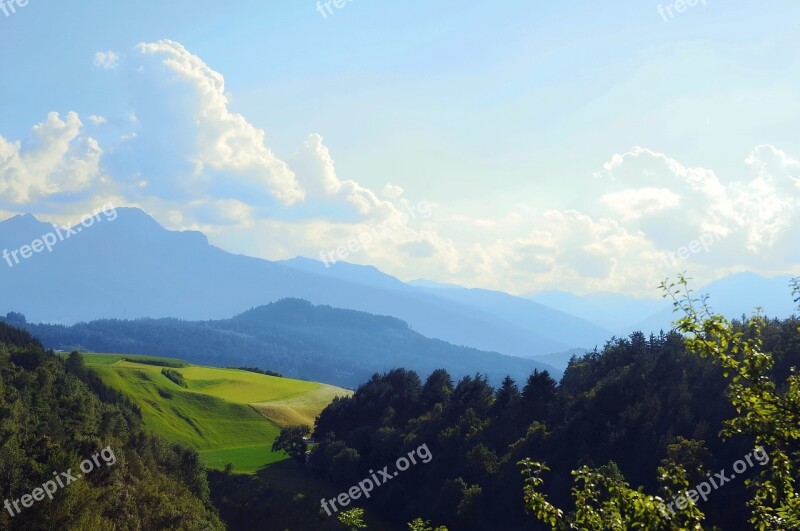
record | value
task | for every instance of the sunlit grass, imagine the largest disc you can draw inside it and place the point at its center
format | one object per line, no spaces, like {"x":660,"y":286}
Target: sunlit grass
{"x":228,"y":415}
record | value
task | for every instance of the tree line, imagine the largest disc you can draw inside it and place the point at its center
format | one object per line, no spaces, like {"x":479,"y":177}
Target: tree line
{"x":53,"y":415}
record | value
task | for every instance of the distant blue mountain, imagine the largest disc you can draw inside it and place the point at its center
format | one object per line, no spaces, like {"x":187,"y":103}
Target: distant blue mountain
{"x":733,"y":297}
{"x":132,"y":267}
{"x":422,"y":283}
{"x":534,"y":319}
{"x":615,"y":312}
{"x":293,"y":337}
{"x":357,"y":274}
{"x":529,"y":315}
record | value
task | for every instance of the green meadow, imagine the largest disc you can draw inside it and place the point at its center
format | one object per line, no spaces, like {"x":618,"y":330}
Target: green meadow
{"x":228,"y":415}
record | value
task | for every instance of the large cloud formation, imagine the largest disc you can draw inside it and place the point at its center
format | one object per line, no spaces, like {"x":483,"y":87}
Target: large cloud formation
{"x":645,"y":216}
{"x":188,"y":140}
{"x":58,"y":159}
{"x":183,"y":155}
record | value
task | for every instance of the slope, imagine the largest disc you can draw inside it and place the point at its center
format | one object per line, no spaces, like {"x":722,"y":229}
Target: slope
{"x":213,"y":414}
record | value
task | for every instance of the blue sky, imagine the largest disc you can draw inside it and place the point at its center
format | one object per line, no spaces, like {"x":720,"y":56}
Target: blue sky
{"x":575,"y":146}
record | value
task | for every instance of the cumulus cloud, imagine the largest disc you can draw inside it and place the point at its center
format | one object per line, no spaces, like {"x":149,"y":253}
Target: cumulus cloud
{"x":106,"y":60}
{"x":182,"y":154}
{"x":627,"y":225}
{"x":190,"y":140}
{"x":58,"y":159}
{"x":316,"y":172}
{"x":391,"y":191}
{"x":639,"y":202}
{"x":418,"y":249}
{"x":752,"y":218}
{"x":563,"y":249}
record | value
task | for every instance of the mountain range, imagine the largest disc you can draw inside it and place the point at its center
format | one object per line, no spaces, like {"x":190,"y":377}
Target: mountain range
{"x":292,"y":337}
{"x":734,"y":296}
{"x":131,"y":267}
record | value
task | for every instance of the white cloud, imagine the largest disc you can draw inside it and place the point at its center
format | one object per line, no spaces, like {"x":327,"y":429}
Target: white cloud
{"x":752,"y":219}
{"x":106,"y":60}
{"x":636,"y":203}
{"x":187,"y":158}
{"x":189,"y":136}
{"x":316,"y":172}
{"x":58,"y":159}
{"x":391,"y":191}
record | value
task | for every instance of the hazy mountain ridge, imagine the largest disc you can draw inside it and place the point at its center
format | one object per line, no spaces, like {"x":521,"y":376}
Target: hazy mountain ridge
{"x":132,"y":267}
{"x":293,"y":337}
{"x":734,"y":296}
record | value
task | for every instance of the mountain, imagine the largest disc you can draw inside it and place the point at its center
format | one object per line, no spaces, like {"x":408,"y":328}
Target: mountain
{"x":23,"y":228}
{"x":732,"y":297}
{"x":358,"y":274}
{"x":293,"y":337}
{"x":131,"y":267}
{"x":560,"y":360}
{"x":735,"y":296}
{"x":534,"y":319}
{"x":529,"y":315}
{"x":613,"y":311}
{"x":422,"y":283}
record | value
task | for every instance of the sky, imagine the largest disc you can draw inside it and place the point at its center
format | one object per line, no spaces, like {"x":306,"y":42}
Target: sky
{"x":520,"y":146}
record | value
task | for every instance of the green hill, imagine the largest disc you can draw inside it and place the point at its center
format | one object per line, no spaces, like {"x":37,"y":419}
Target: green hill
{"x":228,"y":415}
{"x":291,"y":336}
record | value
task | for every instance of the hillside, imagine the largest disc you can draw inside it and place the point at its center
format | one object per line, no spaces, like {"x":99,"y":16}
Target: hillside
{"x":229,"y":416}
{"x":52,"y":418}
{"x":626,"y":408}
{"x":293,"y":337}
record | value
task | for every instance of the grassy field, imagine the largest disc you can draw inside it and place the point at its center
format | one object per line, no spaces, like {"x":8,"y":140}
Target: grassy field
{"x":228,"y":415}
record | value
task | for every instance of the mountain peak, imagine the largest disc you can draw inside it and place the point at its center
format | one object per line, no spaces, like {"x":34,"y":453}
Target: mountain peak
{"x":21,"y":229}
{"x":132,"y":222}
{"x":134,"y":216}
{"x":22,"y":221}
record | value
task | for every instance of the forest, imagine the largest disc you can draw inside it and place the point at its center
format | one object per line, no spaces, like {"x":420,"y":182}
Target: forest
{"x":53,"y":416}
{"x":660,"y":413}
{"x":628,"y":428}
{"x":292,"y":337}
